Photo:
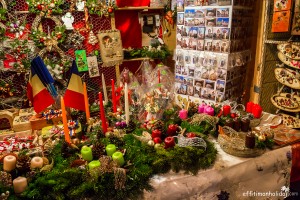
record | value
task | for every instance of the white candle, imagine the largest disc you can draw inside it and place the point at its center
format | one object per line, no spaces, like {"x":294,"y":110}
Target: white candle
{"x":126,"y":104}
{"x":9,"y":163}
{"x":20,"y":184}
{"x":104,"y":90}
{"x":36,"y":162}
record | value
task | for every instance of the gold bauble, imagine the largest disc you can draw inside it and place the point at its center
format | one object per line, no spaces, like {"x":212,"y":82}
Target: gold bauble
{"x":262,"y":138}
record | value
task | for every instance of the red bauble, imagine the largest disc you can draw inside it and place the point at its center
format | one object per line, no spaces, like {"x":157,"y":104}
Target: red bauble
{"x":39,"y":7}
{"x":233,"y":115}
{"x":156,"y":133}
{"x":191,"y":135}
{"x":157,"y":140}
{"x":110,"y":10}
{"x":169,"y":142}
{"x":172,"y":129}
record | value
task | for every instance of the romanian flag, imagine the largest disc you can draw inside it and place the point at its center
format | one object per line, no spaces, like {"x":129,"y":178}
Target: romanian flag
{"x":74,"y":97}
{"x":37,"y":93}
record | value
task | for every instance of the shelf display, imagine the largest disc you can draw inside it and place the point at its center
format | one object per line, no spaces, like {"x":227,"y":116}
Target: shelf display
{"x":212,"y":45}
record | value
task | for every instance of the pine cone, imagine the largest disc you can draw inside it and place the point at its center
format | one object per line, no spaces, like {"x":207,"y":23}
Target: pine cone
{"x":98,"y":150}
{"x":117,"y":141}
{"x":159,"y":125}
{"x":193,"y":109}
{"x":100,"y":133}
{"x":23,"y":164}
{"x":5,"y":179}
{"x":131,"y":126}
{"x":67,"y":150}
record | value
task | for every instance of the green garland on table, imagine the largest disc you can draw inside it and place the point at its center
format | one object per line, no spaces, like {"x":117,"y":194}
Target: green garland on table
{"x":143,"y":161}
{"x":160,"y":52}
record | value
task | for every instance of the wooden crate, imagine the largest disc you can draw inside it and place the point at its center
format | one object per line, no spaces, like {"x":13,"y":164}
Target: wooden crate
{"x":39,"y":123}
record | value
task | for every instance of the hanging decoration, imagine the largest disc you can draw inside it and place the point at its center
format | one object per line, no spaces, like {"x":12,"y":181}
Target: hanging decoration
{"x":68,"y":20}
{"x":45,"y":7}
{"x":92,"y":39}
{"x":81,"y":60}
{"x":93,"y":66}
{"x":74,"y":40}
{"x":111,"y":47}
{"x":80,"y":5}
{"x":101,"y":7}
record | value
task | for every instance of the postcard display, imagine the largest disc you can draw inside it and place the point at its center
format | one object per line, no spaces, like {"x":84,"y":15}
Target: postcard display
{"x":212,"y":48}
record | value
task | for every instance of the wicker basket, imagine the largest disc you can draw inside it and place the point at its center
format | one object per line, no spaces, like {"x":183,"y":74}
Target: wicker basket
{"x":233,"y":143}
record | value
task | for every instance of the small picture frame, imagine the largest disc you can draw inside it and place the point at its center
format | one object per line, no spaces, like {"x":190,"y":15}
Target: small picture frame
{"x":189,"y":13}
{"x":200,"y":45}
{"x":200,"y":13}
{"x":222,"y":12}
{"x":210,"y":22}
{"x":222,"y":22}
{"x":210,"y":12}
{"x":199,"y":22}
{"x":216,"y":46}
{"x":201,"y":33}
{"x":199,"y":83}
{"x":209,"y":84}
{"x":93,"y":66}
{"x":208,"y":45}
{"x":208,"y":33}
{"x":220,"y":86}
{"x":180,"y":5}
{"x":180,"y":18}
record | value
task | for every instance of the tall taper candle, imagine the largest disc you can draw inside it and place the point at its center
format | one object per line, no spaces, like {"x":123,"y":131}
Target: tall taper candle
{"x":64,"y":119}
{"x":102,"y":114}
{"x":104,"y":90}
{"x":113,"y":96}
{"x":126,"y":104}
{"x":86,"y":102}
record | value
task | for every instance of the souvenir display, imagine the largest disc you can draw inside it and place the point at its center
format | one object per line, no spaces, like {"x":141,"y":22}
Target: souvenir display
{"x":288,"y":61}
{"x":287,"y":77}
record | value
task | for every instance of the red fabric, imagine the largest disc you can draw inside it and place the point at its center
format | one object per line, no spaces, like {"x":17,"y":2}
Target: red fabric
{"x":74,"y":100}
{"x":127,"y":21}
{"x":42,"y":100}
{"x":123,"y":3}
{"x":29,"y":92}
{"x":295,"y":171}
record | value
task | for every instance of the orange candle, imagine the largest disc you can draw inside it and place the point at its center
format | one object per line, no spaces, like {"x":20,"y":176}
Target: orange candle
{"x":64,"y":119}
{"x":114,"y":102}
{"x":86,"y":102}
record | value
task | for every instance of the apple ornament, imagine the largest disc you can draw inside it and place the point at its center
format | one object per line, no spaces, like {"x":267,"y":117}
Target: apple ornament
{"x":156,"y":133}
{"x":172,"y":129}
{"x":169,"y":142}
{"x":157,"y":140}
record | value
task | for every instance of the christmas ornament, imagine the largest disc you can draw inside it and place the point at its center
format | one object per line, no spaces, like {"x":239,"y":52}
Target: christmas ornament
{"x":74,"y":40}
{"x":111,"y":47}
{"x":56,"y":71}
{"x":93,"y":66}
{"x":97,"y":150}
{"x":80,"y":5}
{"x":92,"y":39}
{"x":101,"y":7}
{"x":45,"y":7}
{"x":5,"y":179}
{"x":81,"y":60}
{"x":68,"y":20}
{"x":17,"y":27}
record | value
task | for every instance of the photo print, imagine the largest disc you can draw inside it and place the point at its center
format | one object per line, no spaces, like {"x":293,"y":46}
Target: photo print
{"x":185,"y":43}
{"x":199,"y":83}
{"x":180,"y":18}
{"x":221,"y":73}
{"x":189,"y":13}
{"x":193,"y":32}
{"x":184,"y":70}
{"x":189,"y":3}
{"x":180,"y":4}
{"x":220,"y":97}
{"x":208,"y":94}
{"x":204,"y":73}
{"x":220,"y":85}
{"x":177,"y":87}
{"x":209,"y":84}
{"x":189,"y":22}
{"x":222,"y":12}
{"x":178,"y":69}
{"x":184,"y":31}
{"x":191,"y":71}
{"x":197,"y":73}
{"x":210,"y":12}
{"x":208,"y":33}
{"x":222,"y":61}
{"x":188,"y":81}
{"x":190,"y":90}
{"x":208,"y":45}
{"x":225,"y":46}
{"x":179,"y":57}
{"x":187,"y":58}
{"x":183,"y":89}
{"x":210,"y":21}
{"x":201,"y":33}
{"x":197,"y":91}
{"x":179,"y":30}
{"x":217,"y":33}
{"x":222,"y":22}
{"x":216,"y":46}
{"x":192,"y":44}
{"x":199,"y":22}
{"x":179,"y":79}
{"x":200,"y":13}
{"x":200,"y":45}
{"x":213,"y":74}
{"x":195,"y":59}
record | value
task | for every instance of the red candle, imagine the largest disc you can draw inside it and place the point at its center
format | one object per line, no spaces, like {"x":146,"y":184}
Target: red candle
{"x":226,"y":110}
{"x":256,"y":111}
{"x":169,"y":142}
{"x":113,"y":96}
{"x":249,"y":107}
{"x":102,"y":114}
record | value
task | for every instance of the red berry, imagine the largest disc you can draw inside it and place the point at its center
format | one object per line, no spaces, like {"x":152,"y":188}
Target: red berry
{"x":110,"y":10}
{"x":39,"y":7}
